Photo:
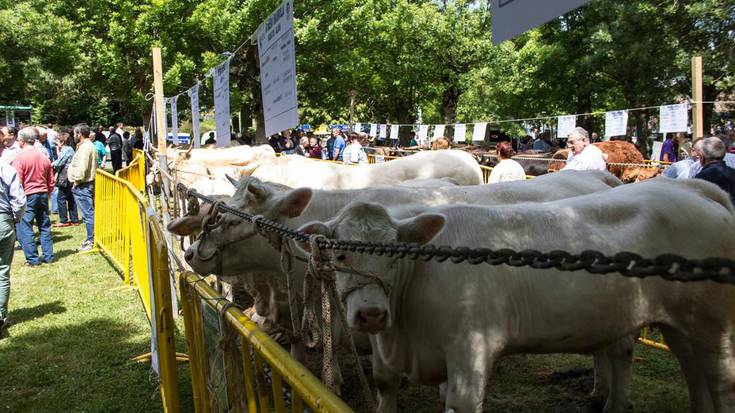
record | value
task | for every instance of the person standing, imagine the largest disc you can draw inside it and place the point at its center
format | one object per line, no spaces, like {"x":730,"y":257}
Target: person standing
{"x":65,"y":200}
{"x":51,"y":137}
{"x":12,"y":206}
{"x":338,"y":147}
{"x":99,"y":145}
{"x":37,"y":178}
{"x":114,"y":141}
{"x":582,"y":155}
{"x":11,"y":148}
{"x":669,"y":149}
{"x":127,"y":149}
{"x":81,"y":175}
{"x":714,"y":168}
{"x":354,"y":153}
{"x":507,"y":169}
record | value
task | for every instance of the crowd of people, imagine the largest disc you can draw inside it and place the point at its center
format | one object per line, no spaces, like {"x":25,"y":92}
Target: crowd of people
{"x":339,"y":147}
{"x":42,"y":172}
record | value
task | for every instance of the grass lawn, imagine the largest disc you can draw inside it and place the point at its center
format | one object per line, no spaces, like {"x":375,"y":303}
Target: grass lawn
{"x":76,"y":329}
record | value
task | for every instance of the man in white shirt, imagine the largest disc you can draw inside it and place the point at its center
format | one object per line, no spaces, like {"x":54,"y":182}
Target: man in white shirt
{"x":582,"y":155}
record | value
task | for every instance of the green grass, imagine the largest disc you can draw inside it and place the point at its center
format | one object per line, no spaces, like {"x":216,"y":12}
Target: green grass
{"x":76,"y":330}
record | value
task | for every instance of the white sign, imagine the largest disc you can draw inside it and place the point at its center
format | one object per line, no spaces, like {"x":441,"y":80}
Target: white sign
{"x":478,"y":133}
{"x":277,"y":52}
{"x":656,"y":150}
{"x":438,"y":132}
{"x":394,"y":132}
{"x":513,"y":17}
{"x":379,"y":159}
{"x":423,"y":134}
{"x":358,"y":127}
{"x":565,"y":126}
{"x":383,"y":132}
{"x":460,"y":132}
{"x":373,"y":130}
{"x":175,"y":120}
{"x":221,"y":80}
{"x":674,"y":118}
{"x":194,"y":101}
{"x":616,"y":123}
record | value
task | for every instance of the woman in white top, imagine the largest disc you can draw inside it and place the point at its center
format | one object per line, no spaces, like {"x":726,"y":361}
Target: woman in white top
{"x":507,"y":169}
{"x":354,"y":152}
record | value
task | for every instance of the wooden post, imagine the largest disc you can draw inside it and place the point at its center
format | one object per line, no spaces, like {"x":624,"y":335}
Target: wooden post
{"x":353,"y":95}
{"x":160,"y":125}
{"x":698,"y":97}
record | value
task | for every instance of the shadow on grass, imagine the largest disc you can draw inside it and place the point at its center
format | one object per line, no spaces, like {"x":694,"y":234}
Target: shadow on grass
{"x":21,"y":315}
{"x":56,"y":237}
{"x":58,"y":255}
{"x":83,"y":367}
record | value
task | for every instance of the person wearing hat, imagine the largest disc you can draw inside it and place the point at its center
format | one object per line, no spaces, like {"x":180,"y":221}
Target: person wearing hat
{"x":582,"y":155}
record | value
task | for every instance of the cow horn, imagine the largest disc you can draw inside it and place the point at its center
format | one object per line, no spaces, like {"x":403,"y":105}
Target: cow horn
{"x":232,"y":180}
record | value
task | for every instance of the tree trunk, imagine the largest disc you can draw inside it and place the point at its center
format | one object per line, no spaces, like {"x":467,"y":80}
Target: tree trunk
{"x":449,"y":105}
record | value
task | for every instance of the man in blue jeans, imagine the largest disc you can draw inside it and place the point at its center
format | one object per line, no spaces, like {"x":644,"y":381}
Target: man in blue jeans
{"x":81,"y":175}
{"x":37,"y":178}
{"x":12,"y":205}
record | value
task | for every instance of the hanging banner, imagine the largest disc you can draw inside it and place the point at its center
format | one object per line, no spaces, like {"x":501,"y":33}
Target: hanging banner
{"x":478,"y":133}
{"x":513,"y":17}
{"x":383,"y":132}
{"x":194,"y":102}
{"x":221,"y":80}
{"x":174,"y":120}
{"x":423,"y":134}
{"x":616,"y":123}
{"x":565,"y":126}
{"x":373,"y":130}
{"x":357,"y":128}
{"x":277,"y":52}
{"x":438,"y":132}
{"x":460,"y":132}
{"x":674,"y":118}
{"x":394,"y":132}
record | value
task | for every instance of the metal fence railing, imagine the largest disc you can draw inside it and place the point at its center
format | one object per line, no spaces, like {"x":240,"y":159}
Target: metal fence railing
{"x":236,"y":367}
{"x":133,"y":240}
{"x":135,"y":171}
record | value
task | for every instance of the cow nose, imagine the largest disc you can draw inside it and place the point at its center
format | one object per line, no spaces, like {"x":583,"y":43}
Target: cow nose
{"x":372,"y":319}
{"x":188,"y":255}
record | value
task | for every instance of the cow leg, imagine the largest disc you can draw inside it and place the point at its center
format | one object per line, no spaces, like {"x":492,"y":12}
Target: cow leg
{"x":602,"y":376}
{"x":468,"y":365}
{"x":620,"y":359}
{"x":700,"y":400}
{"x":718,"y":364}
{"x":386,"y":382}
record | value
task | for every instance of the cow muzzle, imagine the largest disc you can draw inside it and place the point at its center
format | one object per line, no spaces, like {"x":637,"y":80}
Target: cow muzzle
{"x":371,"y":320}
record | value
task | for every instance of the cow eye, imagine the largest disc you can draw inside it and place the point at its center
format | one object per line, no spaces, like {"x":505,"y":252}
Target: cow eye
{"x":341,"y":258}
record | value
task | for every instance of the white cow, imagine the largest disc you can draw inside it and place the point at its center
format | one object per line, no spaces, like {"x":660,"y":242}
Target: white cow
{"x":237,"y":253}
{"x":298,"y":171}
{"x":488,"y":312}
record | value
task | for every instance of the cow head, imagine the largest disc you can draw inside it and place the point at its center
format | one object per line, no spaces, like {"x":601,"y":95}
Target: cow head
{"x":229,"y":245}
{"x":364,"y":282}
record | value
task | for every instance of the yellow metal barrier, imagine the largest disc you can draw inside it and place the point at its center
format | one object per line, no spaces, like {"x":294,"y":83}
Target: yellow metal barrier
{"x":134,"y":243}
{"x":228,"y":374}
{"x":372,"y":158}
{"x":648,"y":339}
{"x":135,"y":171}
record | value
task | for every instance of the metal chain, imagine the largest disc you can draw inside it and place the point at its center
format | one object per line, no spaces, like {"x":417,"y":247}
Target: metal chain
{"x":670,"y":267}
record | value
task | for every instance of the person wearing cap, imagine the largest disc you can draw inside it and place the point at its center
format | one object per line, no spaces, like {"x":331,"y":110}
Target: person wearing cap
{"x":582,"y":155}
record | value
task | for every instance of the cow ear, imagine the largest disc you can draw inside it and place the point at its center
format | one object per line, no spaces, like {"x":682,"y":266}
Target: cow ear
{"x":258,"y":191}
{"x":313,"y":228}
{"x":420,"y":229}
{"x":232,"y":180}
{"x":186,"y":225}
{"x":293,"y":203}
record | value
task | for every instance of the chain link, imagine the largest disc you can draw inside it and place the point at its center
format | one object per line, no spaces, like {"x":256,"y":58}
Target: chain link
{"x":671,"y":267}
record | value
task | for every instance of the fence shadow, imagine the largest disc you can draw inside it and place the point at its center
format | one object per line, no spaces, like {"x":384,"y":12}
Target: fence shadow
{"x":21,"y":315}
